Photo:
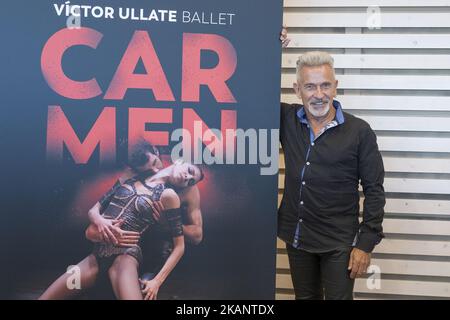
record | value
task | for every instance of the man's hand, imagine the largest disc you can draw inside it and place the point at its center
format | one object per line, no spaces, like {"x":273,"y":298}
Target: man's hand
{"x":111,"y":232}
{"x":151,"y":288}
{"x":125,"y":238}
{"x":106,"y":228}
{"x":359,"y":262}
{"x":283,"y":37}
{"x":157,"y":207}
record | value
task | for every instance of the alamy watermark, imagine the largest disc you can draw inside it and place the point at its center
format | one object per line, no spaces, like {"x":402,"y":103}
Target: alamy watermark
{"x":237,"y":146}
{"x":373,"y":282}
{"x":73,"y":14}
{"x":73,"y":281}
{"x":373,"y":20}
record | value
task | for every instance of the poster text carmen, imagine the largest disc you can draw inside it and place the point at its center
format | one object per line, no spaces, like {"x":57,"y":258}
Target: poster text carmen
{"x":140,"y":48}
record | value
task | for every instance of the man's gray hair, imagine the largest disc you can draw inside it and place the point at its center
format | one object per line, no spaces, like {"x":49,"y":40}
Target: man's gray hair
{"x":314,"y":59}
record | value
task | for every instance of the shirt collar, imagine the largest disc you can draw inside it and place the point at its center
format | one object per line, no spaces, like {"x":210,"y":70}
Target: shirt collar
{"x":339,"y":117}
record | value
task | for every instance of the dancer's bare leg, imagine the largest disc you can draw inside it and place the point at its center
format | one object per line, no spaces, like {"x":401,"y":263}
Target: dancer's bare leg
{"x":58,"y":290}
{"x":125,"y":278}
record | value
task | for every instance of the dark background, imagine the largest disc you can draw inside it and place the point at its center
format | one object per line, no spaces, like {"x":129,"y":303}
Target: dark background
{"x":43,"y":213}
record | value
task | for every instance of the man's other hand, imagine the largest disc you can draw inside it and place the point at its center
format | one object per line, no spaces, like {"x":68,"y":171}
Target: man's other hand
{"x":359,"y":262}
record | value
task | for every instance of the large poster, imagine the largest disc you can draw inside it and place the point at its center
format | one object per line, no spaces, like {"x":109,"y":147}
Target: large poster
{"x":159,"y":117}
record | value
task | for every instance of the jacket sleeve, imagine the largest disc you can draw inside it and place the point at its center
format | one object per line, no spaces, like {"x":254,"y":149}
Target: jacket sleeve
{"x":371,"y":175}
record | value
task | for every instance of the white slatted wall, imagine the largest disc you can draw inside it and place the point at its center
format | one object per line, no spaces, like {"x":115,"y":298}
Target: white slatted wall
{"x":398,"y":79}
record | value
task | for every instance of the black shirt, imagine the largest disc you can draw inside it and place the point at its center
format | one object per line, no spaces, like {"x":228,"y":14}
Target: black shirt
{"x":320,"y":206}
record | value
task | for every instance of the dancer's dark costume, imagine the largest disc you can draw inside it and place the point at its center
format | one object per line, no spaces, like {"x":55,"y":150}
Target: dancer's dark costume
{"x":135,"y":210}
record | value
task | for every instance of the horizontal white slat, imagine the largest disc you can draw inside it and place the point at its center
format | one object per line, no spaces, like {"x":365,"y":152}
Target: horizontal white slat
{"x":382,"y":82}
{"x":423,"y":165}
{"x":421,"y":227}
{"x":413,"y":267}
{"x":366,"y":3}
{"x":414,"y":144}
{"x":395,"y":266}
{"x":280,"y":244}
{"x":404,"y":287}
{"x":415,"y":227}
{"x":404,"y":185}
{"x":406,"y":41}
{"x":416,"y":206}
{"x":401,"y":287}
{"x":378,"y":102}
{"x":379,"y":61}
{"x":428,"y":186}
{"x":282,"y":261}
{"x":407,"y":123}
{"x":282,"y":296}
{"x":408,"y":247}
{"x":284,"y":281}
{"x":414,"y":247}
{"x":362,"y":19}
{"x":409,"y":164}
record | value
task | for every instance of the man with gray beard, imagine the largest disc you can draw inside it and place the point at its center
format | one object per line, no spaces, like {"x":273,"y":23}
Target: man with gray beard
{"x":328,"y":152}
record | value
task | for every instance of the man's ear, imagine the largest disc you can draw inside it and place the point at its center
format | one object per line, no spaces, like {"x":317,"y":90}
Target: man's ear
{"x":296,"y":87}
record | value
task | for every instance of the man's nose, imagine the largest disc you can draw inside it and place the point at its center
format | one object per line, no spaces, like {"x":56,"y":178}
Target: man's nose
{"x":319,"y":93}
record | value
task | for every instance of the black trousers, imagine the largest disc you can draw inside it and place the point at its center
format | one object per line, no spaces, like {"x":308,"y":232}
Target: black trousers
{"x":318,"y":276}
